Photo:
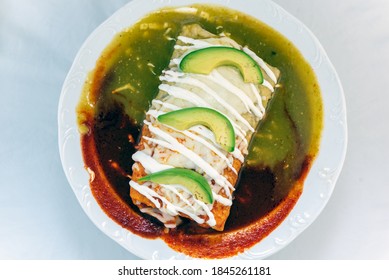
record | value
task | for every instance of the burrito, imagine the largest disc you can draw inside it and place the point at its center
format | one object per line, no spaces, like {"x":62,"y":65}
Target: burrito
{"x":196,"y":133}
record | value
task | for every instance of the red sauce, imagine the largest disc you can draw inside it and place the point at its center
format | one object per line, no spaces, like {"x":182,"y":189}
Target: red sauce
{"x":257,"y":210}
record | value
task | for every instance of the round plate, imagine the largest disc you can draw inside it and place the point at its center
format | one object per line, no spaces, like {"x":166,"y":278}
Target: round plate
{"x":320,"y":181}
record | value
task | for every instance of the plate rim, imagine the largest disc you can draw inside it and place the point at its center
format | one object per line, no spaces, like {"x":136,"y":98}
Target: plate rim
{"x":296,"y":221}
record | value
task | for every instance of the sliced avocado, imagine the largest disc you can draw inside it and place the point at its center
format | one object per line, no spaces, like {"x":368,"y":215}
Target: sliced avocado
{"x":203,"y":61}
{"x":219,"y":124}
{"x":190,"y":179}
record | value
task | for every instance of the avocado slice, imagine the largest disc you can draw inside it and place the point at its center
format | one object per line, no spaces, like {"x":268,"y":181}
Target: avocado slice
{"x":190,"y":179}
{"x":203,"y":61}
{"x":219,"y":124}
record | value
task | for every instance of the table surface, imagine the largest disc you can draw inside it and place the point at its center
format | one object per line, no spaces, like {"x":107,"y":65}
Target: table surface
{"x":40,"y":217}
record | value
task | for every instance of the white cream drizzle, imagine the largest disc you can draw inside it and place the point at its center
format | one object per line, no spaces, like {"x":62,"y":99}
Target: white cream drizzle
{"x":268,"y":85}
{"x":147,"y":192}
{"x":201,"y":130}
{"x":151,"y":166}
{"x":255,"y":90}
{"x":198,"y":43}
{"x":169,"y":77}
{"x":175,"y":189}
{"x":149,"y":163}
{"x":167,"y":141}
{"x":222,"y":181}
{"x":183,"y":94}
{"x":172,"y":144}
{"x":221,"y":199}
{"x":168,"y":220}
{"x":184,"y":48}
{"x":206,"y":133}
{"x":214,"y":148}
{"x":261,"y":63}
{"x":187,"y":95}
{"x":216,"y":77}
{"x":166,"y":105}
{"x":172,"y":209}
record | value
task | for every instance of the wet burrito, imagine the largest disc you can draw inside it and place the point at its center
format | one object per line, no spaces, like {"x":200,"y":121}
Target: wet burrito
{"x":196,"y":133}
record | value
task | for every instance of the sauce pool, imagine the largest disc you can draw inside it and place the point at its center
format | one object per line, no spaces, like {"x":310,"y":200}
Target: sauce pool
{"x":124,"y":82}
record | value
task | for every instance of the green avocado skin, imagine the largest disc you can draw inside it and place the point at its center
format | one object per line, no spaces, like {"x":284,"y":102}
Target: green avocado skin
{"x":190,"y":179}
{"x":217,"y":122}
{"x":203,"y":61}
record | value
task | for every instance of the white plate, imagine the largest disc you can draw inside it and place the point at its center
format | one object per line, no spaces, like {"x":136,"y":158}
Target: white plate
{"x":319,"y":183}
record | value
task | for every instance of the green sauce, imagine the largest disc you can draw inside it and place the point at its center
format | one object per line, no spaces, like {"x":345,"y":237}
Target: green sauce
{"x":138,"y":55}
{"x":126,"y":77}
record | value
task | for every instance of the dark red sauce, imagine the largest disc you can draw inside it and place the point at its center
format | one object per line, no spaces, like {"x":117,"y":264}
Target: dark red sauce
{"x":108,"y":149}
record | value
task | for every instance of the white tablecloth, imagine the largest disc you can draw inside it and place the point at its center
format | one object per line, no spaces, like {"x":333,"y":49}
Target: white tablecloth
{"x":40,"y":217}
